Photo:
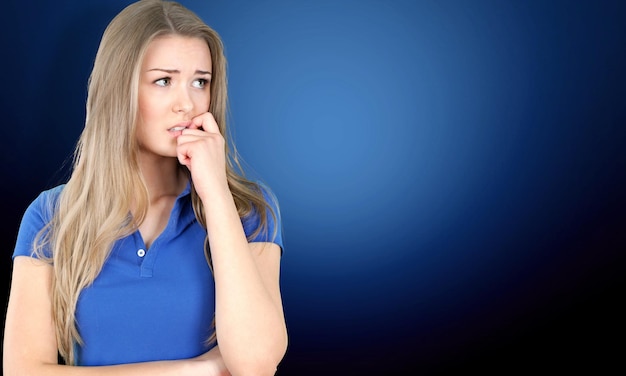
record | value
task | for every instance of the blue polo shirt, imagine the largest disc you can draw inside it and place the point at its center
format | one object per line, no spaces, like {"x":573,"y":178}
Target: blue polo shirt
{"x":146,"y":304}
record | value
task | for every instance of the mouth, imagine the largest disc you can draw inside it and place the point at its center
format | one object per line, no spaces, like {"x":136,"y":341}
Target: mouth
{"x":178,"y":128}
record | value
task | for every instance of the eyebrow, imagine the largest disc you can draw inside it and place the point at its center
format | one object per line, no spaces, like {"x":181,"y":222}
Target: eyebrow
{"x":172,"y":71}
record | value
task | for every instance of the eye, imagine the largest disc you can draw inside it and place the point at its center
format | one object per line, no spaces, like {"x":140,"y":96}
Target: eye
{"x":163,"y":81}
{"x":200,"y":83}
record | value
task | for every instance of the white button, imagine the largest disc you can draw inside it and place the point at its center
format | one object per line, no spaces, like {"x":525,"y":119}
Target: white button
{"x":141,"y":253}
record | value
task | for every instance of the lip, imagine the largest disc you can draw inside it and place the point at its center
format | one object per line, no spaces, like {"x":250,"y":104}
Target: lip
{"x":180,"y":127}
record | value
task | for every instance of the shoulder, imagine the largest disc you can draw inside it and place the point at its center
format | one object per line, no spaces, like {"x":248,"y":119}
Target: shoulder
{"x":273,"y":229}
{"x":45,"y":203}
{"x":272,"y":203}
{"x":269,"y":196}
{"x":36,"y":216}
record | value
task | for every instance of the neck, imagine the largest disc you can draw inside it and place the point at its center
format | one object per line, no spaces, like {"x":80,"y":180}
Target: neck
{"x":163,"y":176}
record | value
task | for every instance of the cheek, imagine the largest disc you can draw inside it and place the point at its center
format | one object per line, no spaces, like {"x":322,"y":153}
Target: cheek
{"x":145,"y":117}
{"x":202,"y":101}
{"x":148,"y":110}
{"x":149,"y":100}
{"x":143,"y":105}
{"x":140,"y":129}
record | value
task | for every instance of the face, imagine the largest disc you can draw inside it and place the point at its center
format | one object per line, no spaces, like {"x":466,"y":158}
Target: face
{"x":174,"y":87}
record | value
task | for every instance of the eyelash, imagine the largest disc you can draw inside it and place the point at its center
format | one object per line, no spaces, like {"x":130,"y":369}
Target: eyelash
{"x":156,"y":82}
{"x":203,"y":82}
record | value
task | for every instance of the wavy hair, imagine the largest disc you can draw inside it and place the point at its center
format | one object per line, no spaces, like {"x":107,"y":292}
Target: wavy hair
{"x":93,"y":209}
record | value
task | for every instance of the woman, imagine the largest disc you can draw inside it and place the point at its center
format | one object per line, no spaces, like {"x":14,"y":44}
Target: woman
{"x":157,"y":256}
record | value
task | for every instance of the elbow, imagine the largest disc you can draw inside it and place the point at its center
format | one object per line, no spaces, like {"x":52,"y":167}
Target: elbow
{"x":260,"y":368}
{"x":11,"y":368}
{"x":257,"y":372}
{"x":257,"y":367}
{"x":261,"y":363}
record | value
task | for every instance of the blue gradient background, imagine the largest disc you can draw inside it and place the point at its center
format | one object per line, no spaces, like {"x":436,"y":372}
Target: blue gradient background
{"x":450,"y":173}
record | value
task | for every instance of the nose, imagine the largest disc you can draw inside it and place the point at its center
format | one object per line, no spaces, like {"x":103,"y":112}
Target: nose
{"x":182,"y":101}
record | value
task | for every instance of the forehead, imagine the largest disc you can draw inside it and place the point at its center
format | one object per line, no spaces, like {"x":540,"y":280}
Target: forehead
{"x":177,"y":52}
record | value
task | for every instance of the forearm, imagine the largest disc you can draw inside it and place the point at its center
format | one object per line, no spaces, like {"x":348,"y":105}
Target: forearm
{"x":30,"y":345}
{"x":160,"y":368}
{"x":249,"y":322}
{"x":207,"y":364}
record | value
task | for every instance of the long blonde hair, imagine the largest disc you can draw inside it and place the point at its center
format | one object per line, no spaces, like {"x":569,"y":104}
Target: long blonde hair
{"x":93,"y":209}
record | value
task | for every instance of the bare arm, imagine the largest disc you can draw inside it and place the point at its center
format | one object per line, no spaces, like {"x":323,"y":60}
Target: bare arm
{"x":30,"y":346}
{"x":250,"y":323}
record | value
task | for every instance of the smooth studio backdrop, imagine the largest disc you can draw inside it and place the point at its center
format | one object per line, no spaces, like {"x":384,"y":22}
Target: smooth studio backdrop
{"x":451,"y":173}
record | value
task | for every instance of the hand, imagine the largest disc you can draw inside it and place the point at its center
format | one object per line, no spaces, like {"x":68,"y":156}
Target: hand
{"x":212,"y":363}
{"x":201,"y":147}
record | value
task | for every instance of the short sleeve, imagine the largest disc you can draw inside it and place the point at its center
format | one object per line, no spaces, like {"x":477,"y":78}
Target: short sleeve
{"x":274,"y":233}
{"x":35,"y":218}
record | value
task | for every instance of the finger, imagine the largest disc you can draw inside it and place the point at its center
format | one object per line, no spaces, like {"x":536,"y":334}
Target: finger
{"x":205,"y":121}
{"x":183,"y":160}
{"x":182,"y":153}
{"x":190,"y":134}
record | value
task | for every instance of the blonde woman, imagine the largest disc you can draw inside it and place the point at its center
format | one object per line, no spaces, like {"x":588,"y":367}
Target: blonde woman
{"x":157,"y":257}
